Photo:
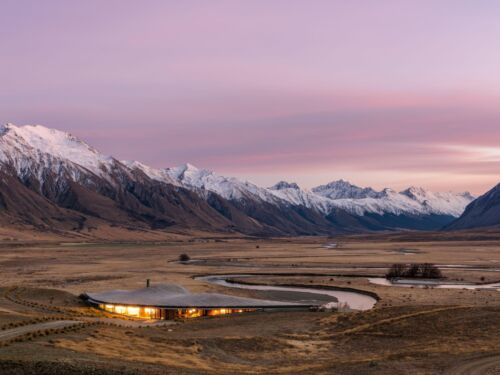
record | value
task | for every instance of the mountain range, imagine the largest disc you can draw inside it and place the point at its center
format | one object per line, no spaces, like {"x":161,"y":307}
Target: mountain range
{"x":50,"y":180}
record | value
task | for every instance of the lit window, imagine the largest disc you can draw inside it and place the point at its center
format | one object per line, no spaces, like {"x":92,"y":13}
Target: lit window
{"x":120,"y":309}
{"x":134,"y":311}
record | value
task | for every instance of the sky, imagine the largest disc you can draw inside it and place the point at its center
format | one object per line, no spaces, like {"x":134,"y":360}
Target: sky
{"x":383,"y":93}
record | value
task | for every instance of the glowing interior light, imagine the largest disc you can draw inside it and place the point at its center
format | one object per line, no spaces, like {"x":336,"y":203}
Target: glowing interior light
{"x":120,"y":309}
{"x":133,"y":311}
{"x":109,"y":307}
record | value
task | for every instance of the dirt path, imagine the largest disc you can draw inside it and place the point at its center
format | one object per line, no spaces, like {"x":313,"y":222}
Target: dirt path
{"x":19,"y":331}
{"x":480,"y":366}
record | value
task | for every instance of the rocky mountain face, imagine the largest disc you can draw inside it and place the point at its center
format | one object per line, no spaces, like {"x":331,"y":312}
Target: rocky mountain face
{"x":74,"y":180}
{"x":54,"y":181}
{"x":482,"y":212}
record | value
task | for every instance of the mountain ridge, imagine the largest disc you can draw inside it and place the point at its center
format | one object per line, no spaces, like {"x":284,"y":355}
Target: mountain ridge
{"x":483,"y":212}
{"x":71,"y":175}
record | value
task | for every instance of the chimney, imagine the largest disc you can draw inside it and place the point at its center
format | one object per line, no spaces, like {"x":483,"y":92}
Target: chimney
{"x":147,"y":283}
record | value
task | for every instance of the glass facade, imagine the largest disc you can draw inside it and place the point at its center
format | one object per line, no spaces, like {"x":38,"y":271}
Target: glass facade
{"x":161,"y":313}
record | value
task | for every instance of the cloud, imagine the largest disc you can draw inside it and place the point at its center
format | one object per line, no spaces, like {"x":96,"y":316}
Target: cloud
{"x":475,"y":154}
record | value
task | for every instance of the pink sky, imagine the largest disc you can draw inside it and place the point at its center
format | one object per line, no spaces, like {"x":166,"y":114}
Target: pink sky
{"x":382,"y":93}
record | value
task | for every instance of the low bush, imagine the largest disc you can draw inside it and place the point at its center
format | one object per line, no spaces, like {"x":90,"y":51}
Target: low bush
{"x":414,"y":271}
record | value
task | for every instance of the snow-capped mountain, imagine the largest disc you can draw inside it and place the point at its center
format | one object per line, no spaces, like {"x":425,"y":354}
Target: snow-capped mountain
{"x":360,"y":201}
{"x":37,"y":150}
{"x":156,"y":174}
{"x":293,"y":194}
{"x":77,"y":186}
{"x":446,"y":203}
{"x":342,"y":189}
{"x":227,"y":187}
{"x":324,"y":199}
{"x":482,"y":212}
{"x":52,"y":167}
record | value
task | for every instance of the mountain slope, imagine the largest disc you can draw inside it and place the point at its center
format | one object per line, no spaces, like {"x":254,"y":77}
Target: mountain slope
{"x":235,"y":199}
{"x":344,"y":190}
{"x":56,"y":181}
{"x":482,"y":212}
{"x":72,"y":175}
{"x":414,"y":208}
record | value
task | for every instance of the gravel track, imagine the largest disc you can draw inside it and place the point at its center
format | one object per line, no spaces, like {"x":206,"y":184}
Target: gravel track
{"x":19,"y":331}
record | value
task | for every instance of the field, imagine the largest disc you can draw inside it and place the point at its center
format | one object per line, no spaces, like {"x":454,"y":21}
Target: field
{"x":46,"y":329}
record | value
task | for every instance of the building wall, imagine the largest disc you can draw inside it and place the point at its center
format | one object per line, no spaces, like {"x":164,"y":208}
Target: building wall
{"x":167,"y":314}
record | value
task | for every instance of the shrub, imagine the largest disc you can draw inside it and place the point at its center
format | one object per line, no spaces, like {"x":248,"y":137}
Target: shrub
{"x":430,"y":271}
{"x":184,"y":258}
{"x":415,"y":270}
{"x":397,"y":270}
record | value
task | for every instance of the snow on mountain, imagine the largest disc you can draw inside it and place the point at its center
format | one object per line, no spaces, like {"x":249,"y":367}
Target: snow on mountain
{"x":227,"y":187}
{"x":293,"y":194}
{"x":343,"y":189}
{"x":34,"y":150}
{"x":387,"y":202}
{"x":360,"y":201}
{"x":483,"y":212}
{"x":190,"y":177}
{"x":285,"y":185}
{"x":37,"y":149}
{"x":153,"y":173}
{"x":324,"y":199}
{"x":440,"y":203}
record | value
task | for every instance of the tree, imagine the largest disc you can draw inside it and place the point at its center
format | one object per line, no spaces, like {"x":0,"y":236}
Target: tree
{"x":413,"y":271}
{"x":430,"y":271}
{"x":397,"y":270}
{"x":184,"y":258}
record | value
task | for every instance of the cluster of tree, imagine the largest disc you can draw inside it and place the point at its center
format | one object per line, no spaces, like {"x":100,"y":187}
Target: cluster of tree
{"x":415,"y":270}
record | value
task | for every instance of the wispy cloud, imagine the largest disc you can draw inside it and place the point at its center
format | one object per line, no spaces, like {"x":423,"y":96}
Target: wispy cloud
{"x":473,"y":153}
{"x":267,"y":87}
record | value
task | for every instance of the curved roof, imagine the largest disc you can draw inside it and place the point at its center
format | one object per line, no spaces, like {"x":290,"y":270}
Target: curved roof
{"x":175,"y":296}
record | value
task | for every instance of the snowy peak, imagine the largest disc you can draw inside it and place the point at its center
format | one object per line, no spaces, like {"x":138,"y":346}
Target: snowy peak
{"x":153,"y":173}
{"x":229,"y":188}
{"x":52,"y":141}
{"x":285,"y":185}
{"x":416,"y":193}
{"x":187,"y":172}
{"x":441,"y":203}
{"x":344,"y":190}
{"x":36,"y":142}
{"x":483,"y":212}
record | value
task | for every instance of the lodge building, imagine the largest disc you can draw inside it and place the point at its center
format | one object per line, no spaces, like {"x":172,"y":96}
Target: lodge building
{"x":171,"y":301}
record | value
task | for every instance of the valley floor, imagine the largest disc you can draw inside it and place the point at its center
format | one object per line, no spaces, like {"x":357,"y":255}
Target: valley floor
{"x":48,"y":330}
